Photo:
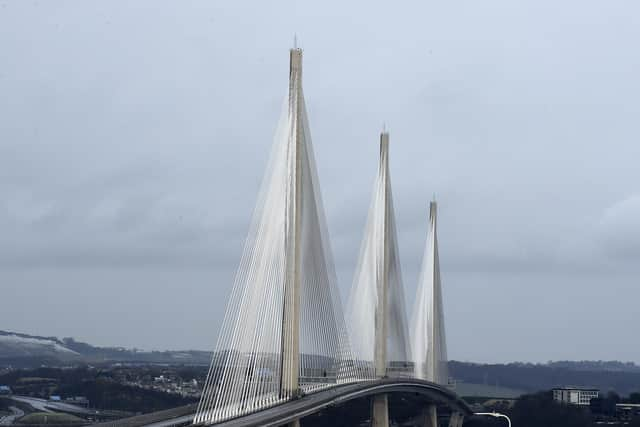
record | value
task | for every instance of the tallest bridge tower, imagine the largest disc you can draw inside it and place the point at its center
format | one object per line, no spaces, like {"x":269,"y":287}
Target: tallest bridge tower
{"x":290,"y":357}
{"x":283,"y":332}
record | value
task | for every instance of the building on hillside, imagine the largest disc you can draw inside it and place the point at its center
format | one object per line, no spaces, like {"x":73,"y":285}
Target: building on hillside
{"x":575,"y":395}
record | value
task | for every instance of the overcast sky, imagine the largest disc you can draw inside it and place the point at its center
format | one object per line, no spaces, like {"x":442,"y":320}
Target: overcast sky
{"x":134,"y":136}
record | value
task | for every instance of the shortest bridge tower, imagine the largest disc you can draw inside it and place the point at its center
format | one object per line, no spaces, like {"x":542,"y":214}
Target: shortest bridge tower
{"x":427,"y":323}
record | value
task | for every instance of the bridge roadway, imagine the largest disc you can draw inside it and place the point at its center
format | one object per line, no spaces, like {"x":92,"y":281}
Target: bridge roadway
{"x":310,"y":403}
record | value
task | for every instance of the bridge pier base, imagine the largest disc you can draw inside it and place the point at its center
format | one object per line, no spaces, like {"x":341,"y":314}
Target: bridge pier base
{"x":456,"y":420}
{"x":295,"y":423}
{"x":380,"y":411}
{"x":429,"y":416}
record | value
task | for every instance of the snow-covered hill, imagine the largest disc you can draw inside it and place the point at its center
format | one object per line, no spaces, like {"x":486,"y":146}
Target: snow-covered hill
{"x":14,"y":345}
{"x":29,"y":351}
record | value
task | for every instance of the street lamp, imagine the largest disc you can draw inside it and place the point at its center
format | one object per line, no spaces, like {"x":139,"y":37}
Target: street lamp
{"x":494,"y":414}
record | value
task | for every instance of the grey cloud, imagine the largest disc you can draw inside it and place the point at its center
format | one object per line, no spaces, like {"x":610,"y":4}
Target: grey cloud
{"x":133,"y":140}
{"x":619,"y":230}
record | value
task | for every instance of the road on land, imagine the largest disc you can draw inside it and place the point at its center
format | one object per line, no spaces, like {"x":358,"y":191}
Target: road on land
{"x":7,"y":420}
{"x":44,"y":405}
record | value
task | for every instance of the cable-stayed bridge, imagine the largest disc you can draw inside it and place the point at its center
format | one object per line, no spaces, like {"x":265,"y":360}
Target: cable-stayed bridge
{"x":284,"y":334}
{"x":286,"y":349}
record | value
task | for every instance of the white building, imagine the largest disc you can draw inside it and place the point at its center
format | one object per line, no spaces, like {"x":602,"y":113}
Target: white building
{"x":575,"y":395}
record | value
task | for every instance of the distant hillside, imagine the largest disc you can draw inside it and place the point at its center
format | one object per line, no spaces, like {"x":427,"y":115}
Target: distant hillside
{"x":15,"y":346}
{"x":597,"y":365}
{"x":28,"y":351}
{"x":536,"y":377}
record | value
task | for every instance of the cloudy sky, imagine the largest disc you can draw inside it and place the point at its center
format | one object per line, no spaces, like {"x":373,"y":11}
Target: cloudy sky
{"x":134,"y":136}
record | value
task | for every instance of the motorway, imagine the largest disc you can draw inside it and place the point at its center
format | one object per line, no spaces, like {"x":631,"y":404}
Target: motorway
{"x":44,"y":405}
{"x":41,"y":405}
{"x":7,"y":420}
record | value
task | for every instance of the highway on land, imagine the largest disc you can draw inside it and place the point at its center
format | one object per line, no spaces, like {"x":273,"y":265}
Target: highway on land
{"x":7,"y":420}
{"x":44,"y":405}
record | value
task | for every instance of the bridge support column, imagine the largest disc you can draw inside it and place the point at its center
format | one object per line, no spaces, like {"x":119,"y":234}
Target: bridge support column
{"x":380,"y":411}
{"x":456,"y":420}
{"x":380,"y":403}
{"x":430,"y":416}
{"x":381,"y":322}
{"x":290,"y":344}
{"x":295,"y":423}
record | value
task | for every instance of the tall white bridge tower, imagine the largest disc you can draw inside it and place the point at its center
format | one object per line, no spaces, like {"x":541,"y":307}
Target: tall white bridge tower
{"x":427,"y":323}
{"x":377,"y":315}
{"x":283,"y":333}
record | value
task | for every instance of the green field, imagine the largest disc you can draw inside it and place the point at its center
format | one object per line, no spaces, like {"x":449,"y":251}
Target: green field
{"x":51,"y":418}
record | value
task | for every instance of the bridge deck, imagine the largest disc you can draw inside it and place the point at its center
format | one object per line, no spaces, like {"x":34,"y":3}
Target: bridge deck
{"x":312,"y":403}
{"x":306,"y":405}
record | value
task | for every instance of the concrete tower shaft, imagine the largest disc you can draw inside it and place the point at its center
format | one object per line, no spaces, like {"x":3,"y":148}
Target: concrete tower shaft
{"x":382,"y":276}
{"x":290,"y":360}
